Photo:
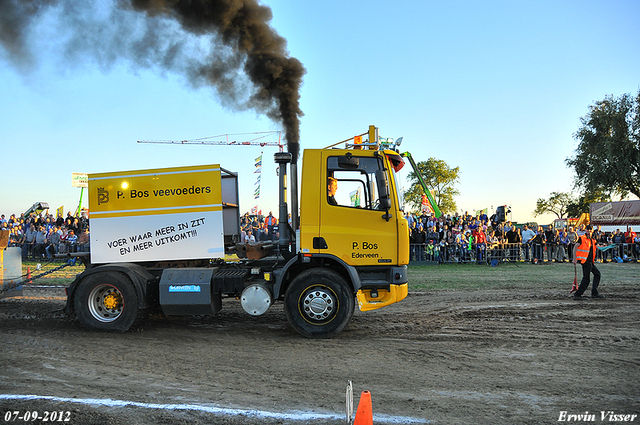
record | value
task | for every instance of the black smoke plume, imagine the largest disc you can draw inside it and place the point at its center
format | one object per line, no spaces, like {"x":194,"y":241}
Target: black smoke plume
{"x":225,"y":44}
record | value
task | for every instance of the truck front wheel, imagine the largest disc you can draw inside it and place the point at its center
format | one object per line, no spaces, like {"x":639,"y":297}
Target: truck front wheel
{"x":319,"y":303}
{"x":106,"y":301}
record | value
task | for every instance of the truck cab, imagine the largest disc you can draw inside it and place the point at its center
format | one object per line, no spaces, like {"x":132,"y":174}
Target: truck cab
{"x":357,"y":236}
{"x":364,"y":229}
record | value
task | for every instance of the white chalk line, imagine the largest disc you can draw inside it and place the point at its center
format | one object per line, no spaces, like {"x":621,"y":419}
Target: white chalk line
{"x":293,"y":416}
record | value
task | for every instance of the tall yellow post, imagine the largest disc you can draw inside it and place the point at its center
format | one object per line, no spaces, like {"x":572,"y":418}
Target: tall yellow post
{"x":373,"y":137}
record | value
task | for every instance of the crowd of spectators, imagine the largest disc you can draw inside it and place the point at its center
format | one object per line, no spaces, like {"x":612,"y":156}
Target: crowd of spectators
{"x":259,"y":228}
{"x":42,"y":236}
{"x":480,"y":239}
{"x":447,"y":239}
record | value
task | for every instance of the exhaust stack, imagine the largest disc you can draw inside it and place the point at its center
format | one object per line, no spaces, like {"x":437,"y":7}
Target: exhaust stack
{"x":282,"y":159}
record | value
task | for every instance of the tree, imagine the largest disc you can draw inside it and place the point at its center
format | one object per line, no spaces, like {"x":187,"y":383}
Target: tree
{"x":556,"y":204}
{"x":607,"y":159}
{"x":581,"y":205}
{"x":440,"y":179}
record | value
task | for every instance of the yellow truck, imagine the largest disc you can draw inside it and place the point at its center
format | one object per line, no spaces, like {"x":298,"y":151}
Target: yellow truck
{"x":159,"y":239}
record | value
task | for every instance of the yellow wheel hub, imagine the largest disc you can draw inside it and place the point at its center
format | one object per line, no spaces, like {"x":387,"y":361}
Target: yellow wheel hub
{"x":112,"y":301}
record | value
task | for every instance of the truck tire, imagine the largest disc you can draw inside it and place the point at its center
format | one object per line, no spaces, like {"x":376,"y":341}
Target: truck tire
{"x":107,"y":302}
{"x":319,"y":303}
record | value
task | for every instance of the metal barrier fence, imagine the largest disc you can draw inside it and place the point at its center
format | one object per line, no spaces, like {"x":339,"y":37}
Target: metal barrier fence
{"x":493,"y":254}
{"x":619,"y":252}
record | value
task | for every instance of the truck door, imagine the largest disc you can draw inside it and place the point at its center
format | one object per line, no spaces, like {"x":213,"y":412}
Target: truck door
{"x":353,"y":221}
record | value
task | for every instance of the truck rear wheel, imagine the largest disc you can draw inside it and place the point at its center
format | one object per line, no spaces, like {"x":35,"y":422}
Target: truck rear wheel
{"x":319,"y":303}
{"x":107,"y":301}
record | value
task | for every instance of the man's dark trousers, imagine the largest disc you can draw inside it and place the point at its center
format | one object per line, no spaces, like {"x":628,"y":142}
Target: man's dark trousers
{"x":587,"y":269}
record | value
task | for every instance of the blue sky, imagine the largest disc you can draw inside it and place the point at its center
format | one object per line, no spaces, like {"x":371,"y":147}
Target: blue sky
{"x":495,"y":88}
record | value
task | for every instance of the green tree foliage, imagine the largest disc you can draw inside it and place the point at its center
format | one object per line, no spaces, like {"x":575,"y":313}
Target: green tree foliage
{"x":556,"y":204}
{"x":608,"y":155}
{"x":581,"y":205}
{"x":440,"y":179}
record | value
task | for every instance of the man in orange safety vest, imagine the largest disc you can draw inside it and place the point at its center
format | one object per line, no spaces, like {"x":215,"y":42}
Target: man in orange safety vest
{"x":270,"y":221}
{"x":584,"y":252}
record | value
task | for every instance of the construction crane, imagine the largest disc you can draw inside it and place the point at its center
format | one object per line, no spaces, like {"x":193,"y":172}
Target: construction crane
{"x":228,"y":139}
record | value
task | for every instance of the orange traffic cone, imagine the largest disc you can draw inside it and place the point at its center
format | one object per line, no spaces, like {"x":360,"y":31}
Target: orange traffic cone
{"x":29,"y":281}
{"x":364,"y":415}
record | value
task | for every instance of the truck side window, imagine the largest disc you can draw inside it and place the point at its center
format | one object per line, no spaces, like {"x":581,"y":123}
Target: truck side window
{"x":353,"y":186}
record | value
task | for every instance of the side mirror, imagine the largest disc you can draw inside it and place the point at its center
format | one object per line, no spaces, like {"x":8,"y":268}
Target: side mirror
{"x":383,"y":193}
{"x":385,"y":203}
{"x":383,"y":187}
{"x":348,"y":161}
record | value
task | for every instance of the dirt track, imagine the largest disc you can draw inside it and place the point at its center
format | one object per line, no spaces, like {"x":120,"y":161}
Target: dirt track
{"x":448,"y":357}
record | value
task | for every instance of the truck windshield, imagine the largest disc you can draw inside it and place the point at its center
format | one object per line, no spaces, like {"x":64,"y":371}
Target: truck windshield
{"x":399,"y":188}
